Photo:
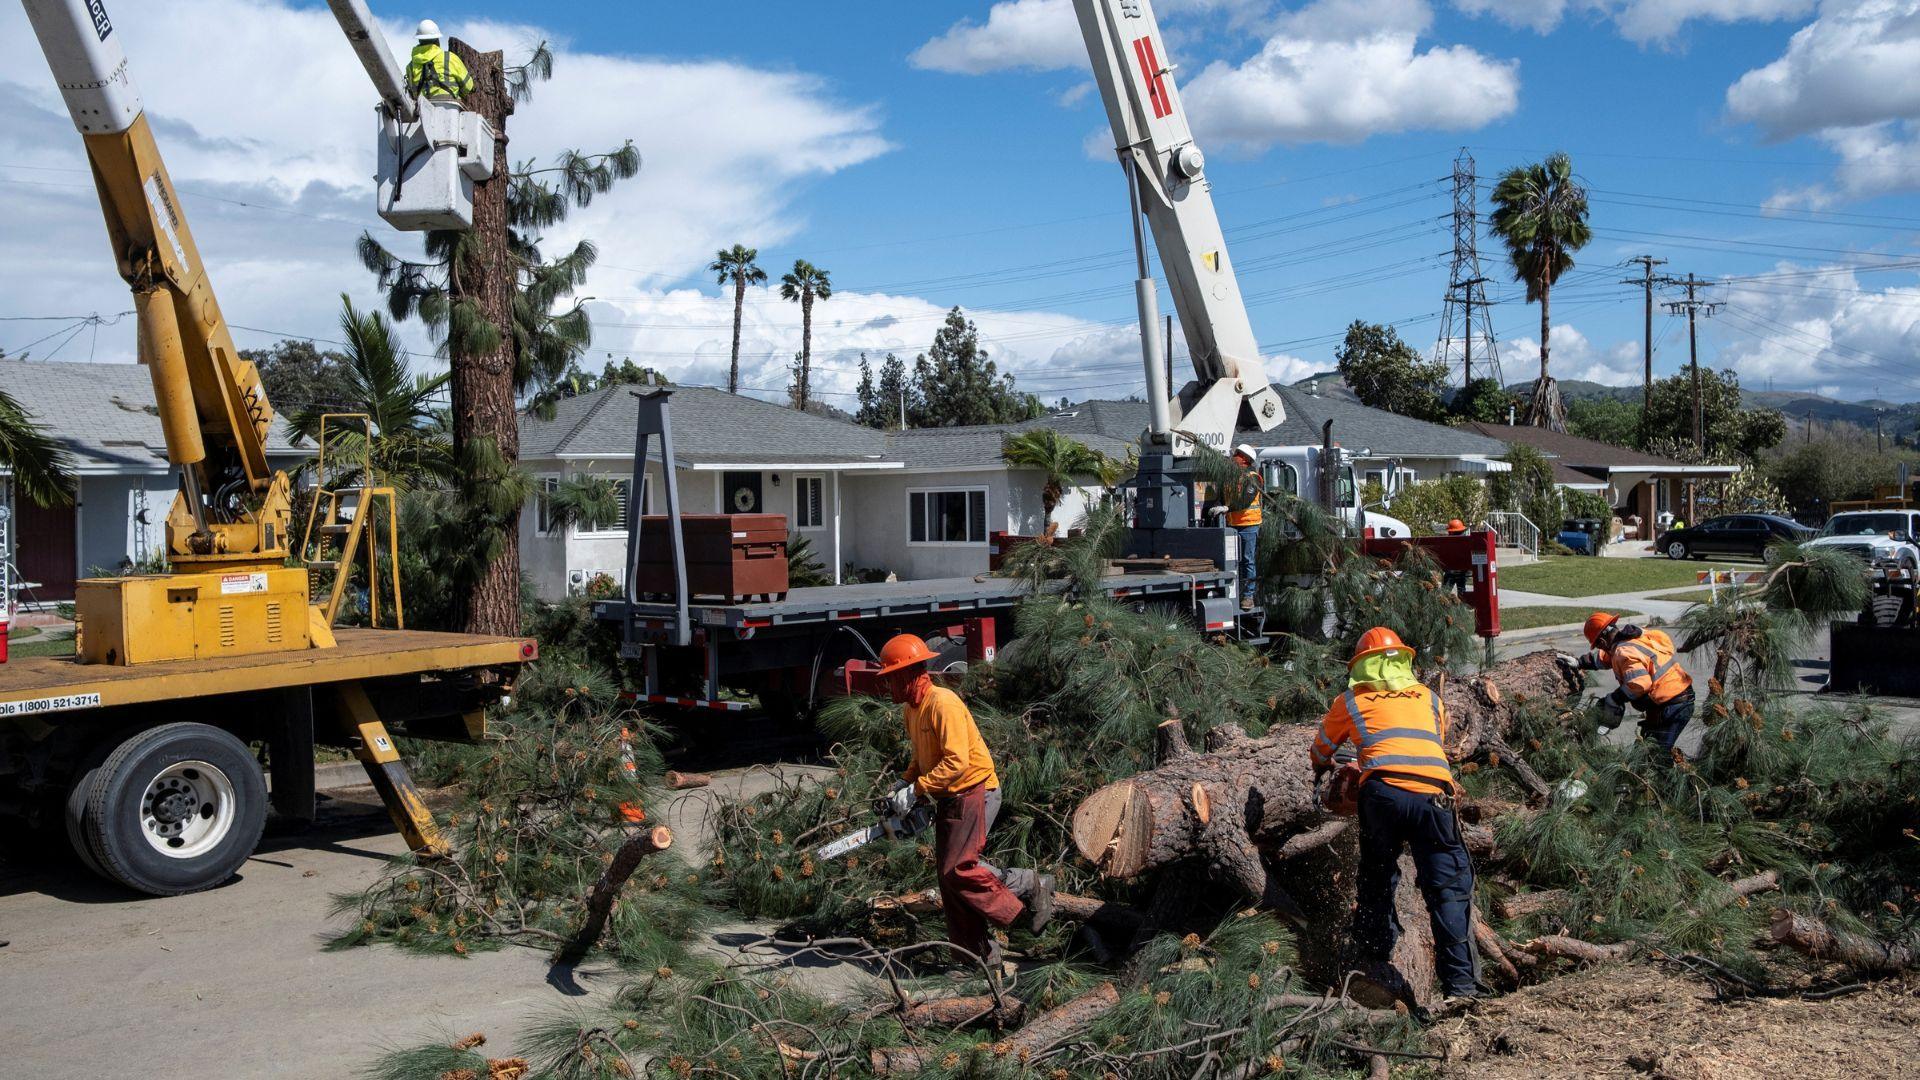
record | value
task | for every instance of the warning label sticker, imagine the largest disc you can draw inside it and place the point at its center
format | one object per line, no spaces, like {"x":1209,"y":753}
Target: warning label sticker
{"x":58,"y":703}
{"x":242,"y":583}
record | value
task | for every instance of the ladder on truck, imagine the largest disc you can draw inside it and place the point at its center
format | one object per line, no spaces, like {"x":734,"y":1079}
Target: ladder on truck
{"x":342,"y":521}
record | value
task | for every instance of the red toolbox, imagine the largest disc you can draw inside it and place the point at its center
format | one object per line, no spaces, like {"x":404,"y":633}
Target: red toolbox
{"x":729,"y":556}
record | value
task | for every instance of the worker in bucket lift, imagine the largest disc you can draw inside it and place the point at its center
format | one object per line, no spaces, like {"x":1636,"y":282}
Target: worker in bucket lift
{"x":952,"y":769}
{"x":1402,"y":788}
{"x":432,"y":71}
{"x":1650,"y":675}
{"x":1240,"y":506}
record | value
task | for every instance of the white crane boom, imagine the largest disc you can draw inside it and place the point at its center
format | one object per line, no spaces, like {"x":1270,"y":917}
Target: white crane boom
{"x":1166,"y":172}
{"x":370,"y":45}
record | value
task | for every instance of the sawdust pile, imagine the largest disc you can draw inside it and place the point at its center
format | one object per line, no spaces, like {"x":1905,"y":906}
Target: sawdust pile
{"x":1639,"y":1020}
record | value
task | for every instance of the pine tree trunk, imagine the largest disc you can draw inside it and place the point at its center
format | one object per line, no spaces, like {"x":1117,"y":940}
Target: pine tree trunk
{"x":739,"y":302}
{"x":482,"y":383}
{"x":806,"y":345}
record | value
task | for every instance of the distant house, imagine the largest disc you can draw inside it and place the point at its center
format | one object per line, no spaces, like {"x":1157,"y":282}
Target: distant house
{"x":918,"y":503}
{"x":1632,"y":482}
{"x":104,"y":415}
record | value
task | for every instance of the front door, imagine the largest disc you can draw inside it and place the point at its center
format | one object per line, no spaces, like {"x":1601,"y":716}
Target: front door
{"x":46,"y":550}
{"x":740,"y":493}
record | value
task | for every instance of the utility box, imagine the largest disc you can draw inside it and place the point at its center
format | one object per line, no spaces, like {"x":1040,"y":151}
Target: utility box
{"x":729,"y":556}
{"x":147,"y":619}
{"x":426,"y":168}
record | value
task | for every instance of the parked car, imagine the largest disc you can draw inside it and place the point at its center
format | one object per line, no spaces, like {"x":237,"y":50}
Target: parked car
{"x":1746,"y":535}
{"x":1876,"y":537}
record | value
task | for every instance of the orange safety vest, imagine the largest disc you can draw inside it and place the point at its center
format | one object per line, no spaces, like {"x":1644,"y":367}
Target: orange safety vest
{"x":1250,"y":487}
{"x":1401,"y":733}
{"x":1647,"y":668}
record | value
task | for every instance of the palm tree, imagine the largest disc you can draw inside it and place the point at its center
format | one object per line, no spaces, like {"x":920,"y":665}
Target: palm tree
{"x":1059,"y":459}
{"x":1540,"y":211}
{"x":736,"y":264}
{"x":41,"y":468}
{"x":805,"y":284}
{"x":410,"y":442}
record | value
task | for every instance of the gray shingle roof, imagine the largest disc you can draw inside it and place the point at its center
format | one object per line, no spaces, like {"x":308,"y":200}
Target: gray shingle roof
{"x":1574,"y":451}
{"x":103,"y":413}
{"x":932,"y":448}
{"x":1355,"y":426}
{"x":709,"y":427}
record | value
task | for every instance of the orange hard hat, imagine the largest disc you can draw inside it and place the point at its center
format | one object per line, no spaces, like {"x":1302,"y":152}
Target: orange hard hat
{"x":1456,"y":526}
{"x":1597,"y":622}
{"x":902,"y":651}
{"x":1377,"y":640}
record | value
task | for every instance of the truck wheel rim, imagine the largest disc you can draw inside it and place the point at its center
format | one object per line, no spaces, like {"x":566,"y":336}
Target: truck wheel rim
{"x":187,"y":809}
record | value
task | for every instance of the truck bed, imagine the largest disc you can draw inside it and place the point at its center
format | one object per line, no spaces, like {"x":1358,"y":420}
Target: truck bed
{"x":33,"y":685}
{"x":839,"y":603}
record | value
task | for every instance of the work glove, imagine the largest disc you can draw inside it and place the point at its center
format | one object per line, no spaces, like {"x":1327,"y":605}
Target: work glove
{"x":1567,"y":660}
{"x":900,"y":802}
{"x":1216,"y":511}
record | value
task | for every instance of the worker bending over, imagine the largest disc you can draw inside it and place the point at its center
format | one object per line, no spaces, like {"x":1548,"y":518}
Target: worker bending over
{"x":952,"y":769}
{"x":1244,"y":521}
{"x":1650,"y":675}
{"x":1406,"y":798}
{"x":433,"y":71}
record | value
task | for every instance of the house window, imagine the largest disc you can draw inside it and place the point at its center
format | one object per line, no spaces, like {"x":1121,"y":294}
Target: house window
{"x":809,"y":502}
{"x":543,"y":522}
{"x":957,"y":516}
{"x":618,"y":525}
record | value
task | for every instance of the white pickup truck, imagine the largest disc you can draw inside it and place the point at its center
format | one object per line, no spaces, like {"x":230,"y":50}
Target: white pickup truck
{"x":1888,"y":542}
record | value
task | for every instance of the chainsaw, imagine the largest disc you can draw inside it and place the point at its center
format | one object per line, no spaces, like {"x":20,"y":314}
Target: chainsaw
{"x":894,"y":823}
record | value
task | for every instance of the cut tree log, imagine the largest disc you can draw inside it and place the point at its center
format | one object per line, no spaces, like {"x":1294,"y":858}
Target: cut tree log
{"x":600,"y":899}
{"x":679,"y":781}
{"x":1566,"y":948}
{"x":1865,"y":954}
{"x":1523,"y":905}
{"x":954,"y":1012}
{"x":1065,"y":906}
{"x":1046,"y":1030}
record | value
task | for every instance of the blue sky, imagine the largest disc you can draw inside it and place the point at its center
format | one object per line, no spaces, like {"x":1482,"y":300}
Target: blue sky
{"x":932,"y":155}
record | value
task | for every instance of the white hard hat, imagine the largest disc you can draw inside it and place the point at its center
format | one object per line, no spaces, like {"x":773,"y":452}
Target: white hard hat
{"x":1248,"y":450}
{"x":428,"y":30}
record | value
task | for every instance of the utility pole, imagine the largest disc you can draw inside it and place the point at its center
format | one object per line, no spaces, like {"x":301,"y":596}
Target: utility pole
{"x":1879,"y":447}
{"x":1645,"y":281}
{"x":1692,"y":306}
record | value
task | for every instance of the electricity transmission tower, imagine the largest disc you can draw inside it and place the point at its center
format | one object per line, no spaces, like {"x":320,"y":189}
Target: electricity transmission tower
{"x":1466,"y":324}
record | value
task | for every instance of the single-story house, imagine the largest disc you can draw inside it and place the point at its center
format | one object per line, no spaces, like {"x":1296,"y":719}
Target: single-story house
{"x":918,"y":503}
{"x":105,"y":417}
{"x":1632,"y":482}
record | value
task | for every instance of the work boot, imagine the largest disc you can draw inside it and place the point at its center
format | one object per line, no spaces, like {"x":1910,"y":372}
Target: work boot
{"x":1246,"y":603}
{"x":1040,"y":901}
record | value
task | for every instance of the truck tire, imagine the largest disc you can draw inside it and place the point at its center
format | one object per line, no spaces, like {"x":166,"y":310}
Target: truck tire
{"x":173,"y":809}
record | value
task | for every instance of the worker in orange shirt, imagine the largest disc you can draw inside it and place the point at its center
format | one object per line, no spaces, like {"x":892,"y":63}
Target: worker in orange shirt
{"x":1651,"y":678}
{"x":1406,"y":798}
{"x":1245,"y":520}
{"x":952,"y":769}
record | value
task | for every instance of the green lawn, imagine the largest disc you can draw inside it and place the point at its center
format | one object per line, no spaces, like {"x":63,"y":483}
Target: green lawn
{"x":1530,"y":616}
{"x":43,"y":645}
{"x":1586,"y":575}
{"x":1692,"y":596}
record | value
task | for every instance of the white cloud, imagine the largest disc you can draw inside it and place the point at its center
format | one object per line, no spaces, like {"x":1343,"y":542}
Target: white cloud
{"x":1574,"y":356}
{"x":1036,"y":35}
{"x":1846,"y":79}
{"x":1819,"y":326}
{"x":726,"y":147}
{"x":1317,"y":90}
{"x":1642,"y":21}
{"x":691,"y":332}
{"x":1853,"y":65}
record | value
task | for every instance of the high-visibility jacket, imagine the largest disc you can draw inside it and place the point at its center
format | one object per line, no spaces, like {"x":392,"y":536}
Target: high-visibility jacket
{"x":1250,"y":490}
{"x":1401,"y":734}
{"x":949,"y":756}
{"x":437,"y":73}
{"x":1648,"y":670}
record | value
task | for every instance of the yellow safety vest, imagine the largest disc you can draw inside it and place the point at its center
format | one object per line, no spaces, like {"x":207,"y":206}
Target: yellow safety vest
{"x":437,"y":73}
